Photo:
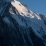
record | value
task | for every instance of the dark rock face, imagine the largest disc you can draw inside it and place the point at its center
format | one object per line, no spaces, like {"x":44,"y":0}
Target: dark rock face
{"x":17,"y":35}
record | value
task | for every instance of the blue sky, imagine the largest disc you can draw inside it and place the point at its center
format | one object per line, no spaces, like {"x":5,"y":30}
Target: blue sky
{"x":38,"y":6}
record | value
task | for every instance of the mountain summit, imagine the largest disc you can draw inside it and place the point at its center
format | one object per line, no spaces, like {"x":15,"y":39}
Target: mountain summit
{"x":20,"y":26}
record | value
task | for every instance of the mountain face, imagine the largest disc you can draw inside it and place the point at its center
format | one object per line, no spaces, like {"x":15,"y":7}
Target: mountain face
{"x":20,"y":26}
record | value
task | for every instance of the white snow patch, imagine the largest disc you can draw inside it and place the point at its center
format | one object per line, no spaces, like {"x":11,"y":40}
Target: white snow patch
{"x":21,"y":9}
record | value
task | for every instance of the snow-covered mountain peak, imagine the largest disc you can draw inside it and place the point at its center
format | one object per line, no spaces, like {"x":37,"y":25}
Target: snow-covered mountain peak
{"x":20,"y":7}
{"x":23,"y":10}
{"x":21,"y":26}
{"x":29,"y":17}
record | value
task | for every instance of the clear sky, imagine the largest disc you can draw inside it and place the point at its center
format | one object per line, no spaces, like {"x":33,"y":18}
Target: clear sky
{"x":38,"y":6}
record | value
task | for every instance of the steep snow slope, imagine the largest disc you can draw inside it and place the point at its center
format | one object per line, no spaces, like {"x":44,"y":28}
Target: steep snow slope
{"x":21,"y":25}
